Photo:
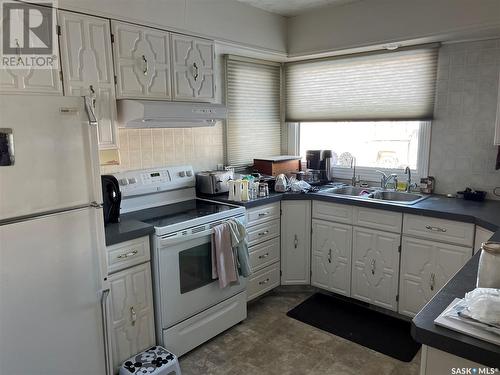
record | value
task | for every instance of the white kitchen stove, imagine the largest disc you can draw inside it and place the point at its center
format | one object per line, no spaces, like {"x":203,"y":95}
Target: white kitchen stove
{"x":190,"y":308}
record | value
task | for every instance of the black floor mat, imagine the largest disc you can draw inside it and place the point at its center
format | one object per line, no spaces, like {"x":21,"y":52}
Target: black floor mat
{"x":377,"y":331}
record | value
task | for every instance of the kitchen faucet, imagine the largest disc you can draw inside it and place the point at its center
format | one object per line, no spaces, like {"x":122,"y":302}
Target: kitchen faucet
{"x":354,"y":180}
{"x":408,"y":182}
{"x":385,"y":179}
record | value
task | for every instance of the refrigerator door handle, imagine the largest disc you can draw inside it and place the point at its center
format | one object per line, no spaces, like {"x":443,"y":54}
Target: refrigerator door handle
{"x":90,"y":104}
{"x":106,"y":334}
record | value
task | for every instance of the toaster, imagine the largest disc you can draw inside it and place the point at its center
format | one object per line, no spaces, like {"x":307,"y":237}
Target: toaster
{"x":213,"y":182}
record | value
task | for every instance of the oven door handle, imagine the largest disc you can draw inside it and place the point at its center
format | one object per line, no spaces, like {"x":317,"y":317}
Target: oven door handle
{"x":178,"y":237}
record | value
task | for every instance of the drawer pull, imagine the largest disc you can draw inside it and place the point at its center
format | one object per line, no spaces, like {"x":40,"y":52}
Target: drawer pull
{"x":264,"y":282}
{"x":127,"y":255}
{"x":263,"y":233}
{"x":133,"y":315}
{"x":432,"y":281}
{"x":264,"y":256}
{"x":435,"y":229}
{"x":373,"y":262}
{"x":262,"y":214}
{"x":330,"y":256}
{"x":296,"y":242}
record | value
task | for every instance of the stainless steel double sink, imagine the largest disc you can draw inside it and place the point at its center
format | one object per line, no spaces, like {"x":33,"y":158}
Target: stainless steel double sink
{"x":375,"y":194}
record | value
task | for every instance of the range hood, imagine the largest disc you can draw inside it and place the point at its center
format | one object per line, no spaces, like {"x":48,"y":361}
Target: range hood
{"x":162,"y":114}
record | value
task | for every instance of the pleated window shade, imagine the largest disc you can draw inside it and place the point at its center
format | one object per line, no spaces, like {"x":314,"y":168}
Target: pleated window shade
{"x":253,"y":126}
{"x":397,"y":85}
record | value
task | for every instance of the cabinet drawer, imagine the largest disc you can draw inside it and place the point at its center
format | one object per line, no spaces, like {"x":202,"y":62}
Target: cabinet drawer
{"x":263,"y":213}
{"x":378,"y":219}
{"x":127,"y":254}
{"x":263,"y":281}
{"x":439,"y":229}
{"x":265,"y":254}
{"x":340,"y":213}
{"x":263,"y":232}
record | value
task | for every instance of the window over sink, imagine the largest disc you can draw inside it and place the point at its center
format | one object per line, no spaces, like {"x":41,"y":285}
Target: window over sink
{"x":389,"y":146}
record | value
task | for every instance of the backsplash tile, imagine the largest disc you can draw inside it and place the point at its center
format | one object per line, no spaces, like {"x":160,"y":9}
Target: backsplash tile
{"x":462,"y":151}
{"x":148,"y":148}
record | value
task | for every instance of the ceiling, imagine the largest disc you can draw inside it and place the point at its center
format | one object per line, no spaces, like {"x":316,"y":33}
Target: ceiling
{"x":290,"y":8}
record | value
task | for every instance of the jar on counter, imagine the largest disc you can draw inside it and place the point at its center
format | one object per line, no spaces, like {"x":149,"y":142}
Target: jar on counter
{"x":488,"y":275}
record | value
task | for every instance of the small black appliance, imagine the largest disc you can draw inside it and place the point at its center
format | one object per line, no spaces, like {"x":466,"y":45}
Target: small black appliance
{"x":112,"y":198}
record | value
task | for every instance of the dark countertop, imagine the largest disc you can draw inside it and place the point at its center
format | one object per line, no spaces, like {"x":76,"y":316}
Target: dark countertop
{"x":126,"y":230}
{"x":485,"y":214}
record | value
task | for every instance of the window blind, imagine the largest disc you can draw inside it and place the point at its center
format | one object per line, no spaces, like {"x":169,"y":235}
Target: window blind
{"x":396,"y":85}
{"x":253,"y":126}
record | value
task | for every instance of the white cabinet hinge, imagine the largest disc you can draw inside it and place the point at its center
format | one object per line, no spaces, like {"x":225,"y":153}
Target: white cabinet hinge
{"x":58,"y":29}
{"x":281,"y":273}
{"x":281,"y":212}
{"x":399,"y":248}
{"x":112,"y":38}
{"x":116,"y":80}
{"x":61,"y":75}
{"x":397,"y":297}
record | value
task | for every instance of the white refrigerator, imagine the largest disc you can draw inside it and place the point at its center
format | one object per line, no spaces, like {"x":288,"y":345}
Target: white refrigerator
{"x":53,"y":288}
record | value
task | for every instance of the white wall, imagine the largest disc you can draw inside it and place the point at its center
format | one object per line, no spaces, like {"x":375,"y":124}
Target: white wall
{"x":224,"y":20}
{"x":462,"y":151}
{"x":375,"y":22}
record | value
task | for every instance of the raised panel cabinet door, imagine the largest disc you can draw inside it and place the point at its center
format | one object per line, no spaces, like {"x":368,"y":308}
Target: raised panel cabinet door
{"x":448,"y":260}
{"x":331,"y":247}
{"x":87,"y":63}
{"x":193,"y":68}
{"x":417,"y":285}
{"x":295,"y":242}
{"x":375,"y":267}
{"x":132,"y":316}
{"x":142,"y":62}
{"x":30,"y":80}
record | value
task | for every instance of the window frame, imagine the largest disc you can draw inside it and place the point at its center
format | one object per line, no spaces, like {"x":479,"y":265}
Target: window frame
{"x":369,"y":173}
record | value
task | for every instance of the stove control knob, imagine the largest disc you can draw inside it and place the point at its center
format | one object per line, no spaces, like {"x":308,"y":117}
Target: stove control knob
{"x":182,"y":174}
{"x":123,"y":181}
{"x":189,"y":173}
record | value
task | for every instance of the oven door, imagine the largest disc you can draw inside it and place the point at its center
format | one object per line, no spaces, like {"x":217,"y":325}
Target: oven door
{"x":185,"y":275}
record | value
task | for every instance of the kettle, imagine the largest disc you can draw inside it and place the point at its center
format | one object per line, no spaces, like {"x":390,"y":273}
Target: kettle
{"x":281,"y":184}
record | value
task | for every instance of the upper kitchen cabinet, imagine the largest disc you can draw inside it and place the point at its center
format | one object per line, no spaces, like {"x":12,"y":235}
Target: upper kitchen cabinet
{"x":32,"y":81}
{"x":193,"y":69}
{"x":87,"y":64}
{"x":142,"y":62}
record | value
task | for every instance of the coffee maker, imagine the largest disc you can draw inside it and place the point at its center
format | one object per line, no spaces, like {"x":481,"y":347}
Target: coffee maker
{"x":320,"y":162}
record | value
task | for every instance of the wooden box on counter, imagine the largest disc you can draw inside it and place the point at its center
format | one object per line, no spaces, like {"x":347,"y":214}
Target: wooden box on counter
{"x":276,"y":165}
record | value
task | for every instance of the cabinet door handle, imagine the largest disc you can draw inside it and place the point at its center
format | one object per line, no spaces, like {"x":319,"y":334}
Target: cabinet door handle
{"x":264,"y":282}
{"x":435,"y":229}
{"x":127,"y":255}
{"x":373,"y":264}
{"x":133,"y":315}
{"x":195,"y":71}
{"x":330,"y":256}
{"x":262,"y":214}
{"x":263,"y":233}
{"x":432,"y":281}
{"x":264,"y":256}
{"x":145,"y":69}
{"x":296,"y":242}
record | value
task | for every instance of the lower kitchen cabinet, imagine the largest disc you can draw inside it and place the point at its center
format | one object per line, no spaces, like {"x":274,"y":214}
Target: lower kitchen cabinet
{"x":331,"y":256}
{"x":132,"y":317}
{"x":295,"y":242}
{"x":375,"y":267}
{"x":426,"y":266}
